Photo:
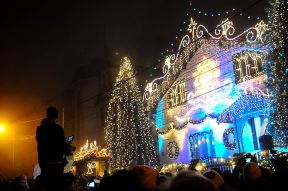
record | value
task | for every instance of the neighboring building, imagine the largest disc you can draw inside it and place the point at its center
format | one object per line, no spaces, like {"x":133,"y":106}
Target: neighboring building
{"x":92,"y":85}
{"x":211,"y":100}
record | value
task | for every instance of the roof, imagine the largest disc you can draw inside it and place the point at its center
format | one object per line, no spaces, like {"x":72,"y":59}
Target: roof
{"x":247,"y":104}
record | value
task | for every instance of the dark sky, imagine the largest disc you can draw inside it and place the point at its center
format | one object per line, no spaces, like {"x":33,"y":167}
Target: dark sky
{"x":43,"y":42}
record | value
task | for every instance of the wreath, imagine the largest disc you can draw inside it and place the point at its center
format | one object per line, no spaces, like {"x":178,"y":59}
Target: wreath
{"x":173,"y":150}
{"x":230,"y":145}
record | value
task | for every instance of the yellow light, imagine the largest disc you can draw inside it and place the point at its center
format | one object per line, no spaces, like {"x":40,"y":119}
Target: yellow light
{"x":198,"y":167}
{"x":206,"y":76}
{"x":2,"y":128}
{"x":91,"y":149}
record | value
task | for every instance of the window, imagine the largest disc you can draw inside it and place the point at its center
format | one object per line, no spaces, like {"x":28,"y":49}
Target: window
{"x":247,"y":65}
{"x":202,"y":145}
{"x":177,"y":95}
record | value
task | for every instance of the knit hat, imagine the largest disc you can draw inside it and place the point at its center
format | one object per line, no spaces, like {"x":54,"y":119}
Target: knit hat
{"x":145,"y":176}
{"x":251,"y":171}
{"x":215,"y":177}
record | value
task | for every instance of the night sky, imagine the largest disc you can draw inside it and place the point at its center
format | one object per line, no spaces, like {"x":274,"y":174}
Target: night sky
{"x":43,"y":43}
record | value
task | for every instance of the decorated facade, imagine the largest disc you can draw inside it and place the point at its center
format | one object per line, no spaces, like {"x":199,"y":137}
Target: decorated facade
{"x":91,"y":160}
{"x":211,"y":101}
{"x":128,"y":139}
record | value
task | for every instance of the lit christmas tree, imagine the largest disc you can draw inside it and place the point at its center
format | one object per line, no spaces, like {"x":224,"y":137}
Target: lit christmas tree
{"x":128,"y":137}
{"x":277,"y":71}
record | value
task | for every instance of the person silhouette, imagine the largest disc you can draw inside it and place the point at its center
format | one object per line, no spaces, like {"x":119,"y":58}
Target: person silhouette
{"x":52,"y":147}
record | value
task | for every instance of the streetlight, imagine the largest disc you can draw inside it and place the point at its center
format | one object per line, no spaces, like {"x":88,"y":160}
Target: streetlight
{"x":2,"y":128}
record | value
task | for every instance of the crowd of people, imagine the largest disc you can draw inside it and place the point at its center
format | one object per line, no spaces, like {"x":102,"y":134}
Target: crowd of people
{"x":52,"y":146}
{"x":246,"y":176}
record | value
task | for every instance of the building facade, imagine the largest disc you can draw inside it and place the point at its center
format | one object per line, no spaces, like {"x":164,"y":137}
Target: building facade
{"x":211,"y":101}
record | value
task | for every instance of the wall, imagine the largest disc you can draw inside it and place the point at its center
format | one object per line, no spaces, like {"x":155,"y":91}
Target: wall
{"x":210,"y":88}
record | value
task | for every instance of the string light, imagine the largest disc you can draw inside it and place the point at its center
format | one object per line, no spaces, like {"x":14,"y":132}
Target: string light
{"x":244,"y":68}
{"x":90,"y":150}
{"x":209,"y":101}
{"x":227,"y":142}
{"x":253,"y":101}
{"x":172,"y":150}
{"x":177,"y":94}
{"x":174,"y":168}
{"x":174,"y":63}
{"x":128,"y":137}
{"x":166,"y":130}
{"x":212,"y":14}
{"x":250,"y":99}
{"x":90,"y":167}
{"x":277,"y":78}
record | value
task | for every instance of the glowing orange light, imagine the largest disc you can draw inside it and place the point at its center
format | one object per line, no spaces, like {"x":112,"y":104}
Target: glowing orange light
{"x":2,"y":128}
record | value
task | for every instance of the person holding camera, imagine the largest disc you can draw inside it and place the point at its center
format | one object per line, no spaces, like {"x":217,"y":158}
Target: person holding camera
{"x":52,"y":148}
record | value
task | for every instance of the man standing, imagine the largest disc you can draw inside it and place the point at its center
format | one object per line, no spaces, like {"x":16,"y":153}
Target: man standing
{"x":51,"y":147}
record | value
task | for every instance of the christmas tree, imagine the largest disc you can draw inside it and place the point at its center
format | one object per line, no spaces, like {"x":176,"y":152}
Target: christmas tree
{"x":277,"y":71}
{"x":128,"y":137}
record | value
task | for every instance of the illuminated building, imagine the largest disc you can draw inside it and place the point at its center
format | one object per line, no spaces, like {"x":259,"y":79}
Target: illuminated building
{"x":211,"y":101}
{"x":91,"y":159}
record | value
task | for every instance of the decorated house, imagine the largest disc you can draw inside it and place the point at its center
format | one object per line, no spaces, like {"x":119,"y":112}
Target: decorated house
{"x":90,"y":160}
{"x":211,"y":101}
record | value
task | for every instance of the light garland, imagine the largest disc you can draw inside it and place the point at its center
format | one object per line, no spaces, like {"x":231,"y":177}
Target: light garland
{"x":207,"y":102}
{"x":246,"y":101}
{"x":177,"y":94}
{"x":276,"y":69}
{"x":90,"y":150}
{"x":127,"y":134}
{"x":221,"y":163}
{"x":173,"y":150}
{"x":245,"y":69}
{"x":218,"y":14}
{"x":90,"y":167}
{"x":229,"y":145}
{"x":204,"y":13}
{"x":166,"y":130}
{"x":174,"y":168}
{"x":175,"y":63}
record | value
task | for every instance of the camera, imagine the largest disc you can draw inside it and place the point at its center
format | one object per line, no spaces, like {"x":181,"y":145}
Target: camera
{"x":91,"y":184}
{"x":248,"y":159}
{"x":69,"y":148}
{"x":70,"y":139}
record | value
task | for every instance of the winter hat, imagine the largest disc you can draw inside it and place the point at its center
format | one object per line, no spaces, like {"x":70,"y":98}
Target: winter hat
{"x":215,"y":177}
{"x":145,"y":176}
{"x":251,"y":171}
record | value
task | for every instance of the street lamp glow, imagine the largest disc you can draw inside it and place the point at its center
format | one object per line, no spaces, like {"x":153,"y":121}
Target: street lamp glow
{"x":2,"y":128}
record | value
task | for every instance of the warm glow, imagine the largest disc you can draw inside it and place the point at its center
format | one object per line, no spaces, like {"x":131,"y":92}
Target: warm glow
{"x":206,"y":76}
{"x":91,"y":149}
{"x":127,"y":133}
{"x":2,"y":128}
